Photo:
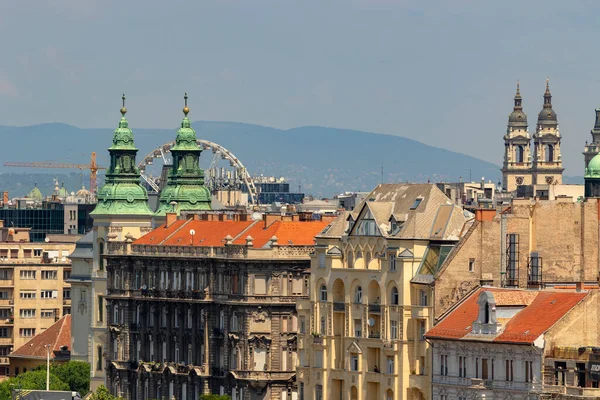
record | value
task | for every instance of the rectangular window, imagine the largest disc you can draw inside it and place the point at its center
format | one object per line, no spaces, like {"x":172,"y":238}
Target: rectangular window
{"x":423,"y":298}
{"x":390,"y":365}
{"x":27,"y":274}
{"x":5,"y":313}
{"x":66,"y":274}
{"x":5,"y":274}
{"x":484,"y":368}
{"x":100,"y":309}
{"x":462,"y":367}
{"x":47,"y":313}
{"x":27,"y":294}
{"x":302,"y":325}
{"x":66,"y":310}
{"x":476,"y":367}
{"x":528,"y":371}
{"x":321,"y":259}
{"x":512,"y":260}
{"x":260,"y":285}
{"x":394,"y":329}
{"x":508,"y":364}
{"x":318,"y":392}
{"x":354,"y":362}
{"x":443,"y":365}
{"x":49,"y":275}
{"x":422,"y":329}
{"x":37,"y":252}
{"x":66,"y":294}
{"x":471,"y":265}
{"x":48,"y":294}
{"x":4,"y":332}
{"x":358,"y":327}
{"x":27,"y":332}
{"x":27,"y":313}
{"x":392,"y":262}
{"x":319,"y":358}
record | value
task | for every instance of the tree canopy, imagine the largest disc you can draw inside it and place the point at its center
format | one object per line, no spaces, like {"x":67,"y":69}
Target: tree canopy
{"x":103,"y":394}
{"x":33,"y":380}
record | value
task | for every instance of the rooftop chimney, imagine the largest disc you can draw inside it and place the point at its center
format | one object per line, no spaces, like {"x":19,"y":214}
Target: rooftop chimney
{"x":171,"y":218}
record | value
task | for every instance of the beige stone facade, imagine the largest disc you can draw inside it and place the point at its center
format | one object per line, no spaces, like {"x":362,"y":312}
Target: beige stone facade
{"x":361,"y":330}
{"x":502,"y":248}
{"x":34,"y":293}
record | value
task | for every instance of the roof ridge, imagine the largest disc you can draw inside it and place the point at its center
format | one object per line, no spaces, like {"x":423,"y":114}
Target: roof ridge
{"x":247,"y":229}
{"x":62,"y":326}
{"x":174,"y":232}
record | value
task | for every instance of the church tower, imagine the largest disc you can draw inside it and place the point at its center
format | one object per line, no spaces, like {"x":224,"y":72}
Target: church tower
{"x":593,"y":148}
{"x":185,"y":190}
{"x":516,"y":169}
{"x":547,"y":162}
{"x":121,"y":216}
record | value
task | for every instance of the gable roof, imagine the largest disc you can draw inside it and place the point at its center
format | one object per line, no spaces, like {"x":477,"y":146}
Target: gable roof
{"x":433,"y":216}
{"x":57,"y":335}
{"x":539,"y":312}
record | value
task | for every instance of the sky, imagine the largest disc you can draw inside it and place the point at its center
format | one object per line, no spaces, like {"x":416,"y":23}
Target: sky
{"x":441,"y":72}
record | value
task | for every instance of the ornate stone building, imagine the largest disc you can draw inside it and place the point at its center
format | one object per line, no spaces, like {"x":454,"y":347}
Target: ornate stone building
{"x":208,"y":305}
{"x":521,"y":166}
{"x":593,"y":148}
{"x":370,"y":303}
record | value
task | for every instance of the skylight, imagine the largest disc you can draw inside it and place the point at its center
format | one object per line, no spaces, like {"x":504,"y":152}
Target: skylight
{"x":416,"y":203}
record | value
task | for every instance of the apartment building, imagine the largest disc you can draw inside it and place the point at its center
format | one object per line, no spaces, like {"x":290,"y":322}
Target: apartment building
{"x":208,"y":305}
{"x":361,"y":329}
{"x":33,"y":291}
{"x":501,"y":343}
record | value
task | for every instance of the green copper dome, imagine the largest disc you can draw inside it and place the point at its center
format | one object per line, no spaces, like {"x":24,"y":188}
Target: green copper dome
{"x":185,"y":190}
{"x":63,"y":192}
{"x":593,"y":168}
{"x":35,"y":194}
{"x":122,"y":193}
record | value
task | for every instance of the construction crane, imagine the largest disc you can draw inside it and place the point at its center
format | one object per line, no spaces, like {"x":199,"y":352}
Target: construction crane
{"x":92,"y":166}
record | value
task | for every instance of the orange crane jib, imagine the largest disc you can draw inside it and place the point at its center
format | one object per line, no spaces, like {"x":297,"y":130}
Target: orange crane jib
{"x":92,"y":166}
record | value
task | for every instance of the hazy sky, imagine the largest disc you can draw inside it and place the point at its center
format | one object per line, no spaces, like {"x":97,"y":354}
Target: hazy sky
{"x":442,"y":72}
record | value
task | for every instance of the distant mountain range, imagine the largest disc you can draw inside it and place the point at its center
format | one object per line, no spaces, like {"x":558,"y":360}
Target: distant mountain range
{"x":320,"y":161}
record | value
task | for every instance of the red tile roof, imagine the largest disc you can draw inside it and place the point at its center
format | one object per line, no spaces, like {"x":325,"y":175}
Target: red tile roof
{"x":298,"y":233}
{"x":540,"y":311}
{"x":213,"y":233}
{"x":57,"y":335}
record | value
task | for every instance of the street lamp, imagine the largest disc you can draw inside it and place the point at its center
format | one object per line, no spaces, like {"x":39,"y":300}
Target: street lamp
{"x":48,"y":347}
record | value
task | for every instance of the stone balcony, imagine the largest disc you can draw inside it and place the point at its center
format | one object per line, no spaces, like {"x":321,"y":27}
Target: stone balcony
{"x":267,"y":376}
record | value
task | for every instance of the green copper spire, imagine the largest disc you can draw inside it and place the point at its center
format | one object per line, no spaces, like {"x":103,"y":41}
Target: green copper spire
{"x":185,"y":190}
{"x":122,"y":193}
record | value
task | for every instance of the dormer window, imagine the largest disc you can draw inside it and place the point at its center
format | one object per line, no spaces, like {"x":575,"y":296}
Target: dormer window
{"x":486,"y":320}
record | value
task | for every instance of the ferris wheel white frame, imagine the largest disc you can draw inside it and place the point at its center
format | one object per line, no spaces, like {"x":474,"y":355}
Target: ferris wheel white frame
{"x":161,"y":152}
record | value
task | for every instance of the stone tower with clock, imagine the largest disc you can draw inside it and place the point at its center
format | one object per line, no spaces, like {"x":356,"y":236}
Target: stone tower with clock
{"x":516,"y":168}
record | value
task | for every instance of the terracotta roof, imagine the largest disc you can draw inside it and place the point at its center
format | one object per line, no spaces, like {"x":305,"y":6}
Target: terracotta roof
{"x":540,"y":310}
{"x":213,"y":233}
{"x":298,"y":233}
{"x":58,"y":335}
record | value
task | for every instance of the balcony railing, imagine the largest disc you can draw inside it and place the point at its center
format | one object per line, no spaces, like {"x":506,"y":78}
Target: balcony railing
{"x":375,"y":308}
{"x":264,"y":375}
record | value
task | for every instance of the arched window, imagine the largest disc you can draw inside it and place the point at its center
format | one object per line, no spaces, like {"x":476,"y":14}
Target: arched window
{"x":358,"y":295}
{"x":520,"y":154}
{"x":549,"y":156}
{"x":323,"y":293}
{"x":395,"y":297}
{"x":234,"y":322}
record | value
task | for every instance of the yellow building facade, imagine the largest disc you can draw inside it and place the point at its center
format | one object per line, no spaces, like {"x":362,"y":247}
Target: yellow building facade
{"x":361,"y":331}
{"x":33,"y":291}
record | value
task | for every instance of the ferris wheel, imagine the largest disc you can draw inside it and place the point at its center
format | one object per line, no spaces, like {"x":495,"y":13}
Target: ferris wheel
{"x":233,"y":176}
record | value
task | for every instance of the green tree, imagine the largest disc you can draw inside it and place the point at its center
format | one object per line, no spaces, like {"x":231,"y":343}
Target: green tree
{"x":75,"y":373}
{"x":102,"y":394}
{"x":33,"y":380}
{"x":215,"y":397}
